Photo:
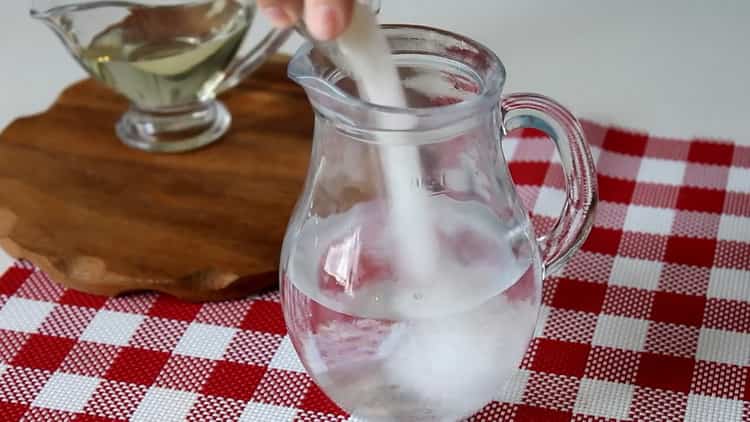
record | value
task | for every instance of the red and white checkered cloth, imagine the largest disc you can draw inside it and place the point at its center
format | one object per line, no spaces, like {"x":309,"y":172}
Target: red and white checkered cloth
{"x":650,"y":321}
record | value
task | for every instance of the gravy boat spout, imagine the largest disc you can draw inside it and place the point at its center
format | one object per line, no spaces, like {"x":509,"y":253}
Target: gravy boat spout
{"x":53,"y":17}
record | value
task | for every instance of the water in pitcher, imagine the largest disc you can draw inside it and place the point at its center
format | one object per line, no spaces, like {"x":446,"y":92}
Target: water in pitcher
{"x":158,"y":56}
{"x":393,"y":349}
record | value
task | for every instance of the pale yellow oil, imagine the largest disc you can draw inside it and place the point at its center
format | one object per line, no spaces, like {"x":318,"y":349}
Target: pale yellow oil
{"x":166,"y":56}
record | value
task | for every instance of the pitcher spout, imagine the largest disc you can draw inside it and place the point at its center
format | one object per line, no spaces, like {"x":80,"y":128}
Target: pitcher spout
{"x":448,"y":81}
{"x":319,"y":65}
{"x":314,"y":71}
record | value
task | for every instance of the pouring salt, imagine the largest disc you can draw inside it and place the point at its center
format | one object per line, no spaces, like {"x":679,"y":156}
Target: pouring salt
{"x":367,"y":53}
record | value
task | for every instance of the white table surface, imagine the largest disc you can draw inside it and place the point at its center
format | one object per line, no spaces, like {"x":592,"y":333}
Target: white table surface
{"x":678,"y":68}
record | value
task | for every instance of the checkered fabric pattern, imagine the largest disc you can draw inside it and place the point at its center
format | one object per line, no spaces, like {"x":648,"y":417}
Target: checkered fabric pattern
{"x":650,"y":321}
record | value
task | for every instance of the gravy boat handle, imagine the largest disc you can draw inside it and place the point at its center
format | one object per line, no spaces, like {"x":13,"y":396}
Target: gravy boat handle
{"x":244,"y":65}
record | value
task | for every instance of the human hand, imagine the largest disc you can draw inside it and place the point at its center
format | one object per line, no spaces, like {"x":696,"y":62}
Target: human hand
{"x":325,"y":19}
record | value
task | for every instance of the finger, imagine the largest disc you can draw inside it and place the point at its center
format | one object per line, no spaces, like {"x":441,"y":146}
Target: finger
{"x":327,"y":19}
{"x":282,"y":13}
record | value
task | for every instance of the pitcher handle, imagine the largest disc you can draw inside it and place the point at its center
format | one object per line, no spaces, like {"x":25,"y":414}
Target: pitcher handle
{"x":243,"y":66}
{"x":535,"y":111}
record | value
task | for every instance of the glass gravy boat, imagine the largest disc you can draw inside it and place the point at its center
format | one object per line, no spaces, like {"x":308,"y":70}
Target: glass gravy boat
{"x":169,"y":58}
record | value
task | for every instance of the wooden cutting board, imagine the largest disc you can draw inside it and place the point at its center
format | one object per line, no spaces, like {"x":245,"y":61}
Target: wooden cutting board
{"x":107,"y":219}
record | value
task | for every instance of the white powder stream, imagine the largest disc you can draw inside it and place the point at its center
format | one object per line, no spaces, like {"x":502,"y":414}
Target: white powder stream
{"x":371,"y":63}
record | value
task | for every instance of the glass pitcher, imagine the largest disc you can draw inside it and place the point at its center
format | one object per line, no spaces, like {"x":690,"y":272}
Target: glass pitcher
{"x":381,"y":343}
{"x":169,"y":58}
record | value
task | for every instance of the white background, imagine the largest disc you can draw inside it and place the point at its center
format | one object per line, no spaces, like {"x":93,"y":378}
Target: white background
{"x":672,"y":67}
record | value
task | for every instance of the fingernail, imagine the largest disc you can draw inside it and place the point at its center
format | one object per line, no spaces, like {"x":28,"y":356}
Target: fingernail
{"x":277,"y":15}
{"x":324,"y":22}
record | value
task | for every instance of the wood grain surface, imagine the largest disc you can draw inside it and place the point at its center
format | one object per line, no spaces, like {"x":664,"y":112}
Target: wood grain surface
{"x":107,"y":219}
